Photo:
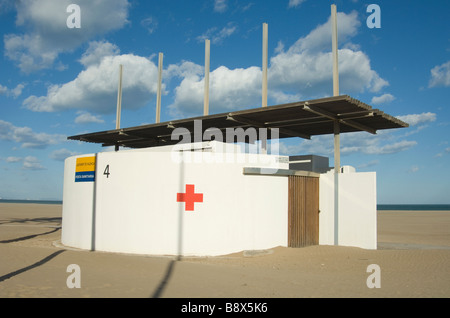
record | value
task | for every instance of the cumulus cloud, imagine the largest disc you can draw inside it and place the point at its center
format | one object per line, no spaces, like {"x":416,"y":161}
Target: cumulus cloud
{"x":95,"y":88}
{"x":307,"y":64}
{"x":303,"y":70}
{"x":87,"y":118}
{"x":383,"y":99}
{"x":14,"y":92}
{"x":390,"y":148}
{"x":295,"y":3}
{"x":440,"y":75}
{"x":47,"y":35}
{"x":217,"y":36}
{"x":13,"y":159}
{"x":358,"y":142}
{"x":32,"y":163}
{"x":96,"y":51}
{"x":27,"y":137}
{"x":417,"y":119}
{"x":229,"y":90}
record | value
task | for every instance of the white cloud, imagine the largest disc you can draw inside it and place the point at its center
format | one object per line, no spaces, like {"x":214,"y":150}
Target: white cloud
{"x":220,"y":5}
{"x":319,"y":39}
{"x":391,"y":148}
{"x":303,"y":70}
{"x":95,"y":88}
{"x":307,"y":65}
{"x":358,"y":142}
{"x":32,"y":163}
{"x":280,"y":47}
{"x":184,"y":69}
{"x":281,"y":97}
{"x":27,"y":137}
{"x":46,"y":32}
{"x":440,"y":75}
{"x":383,"y":99}
{"x":96,"y":51}
{"x":13,"y":159}
{"x":87,"y":118}
{"x":229,"y":90}
{"x":217,"y":37}
{"x":295,"y":3}
{"x":14,"y":92}
{"x":62,"y":154}
{"x":416,"y":119}
{"x":150,"y":24}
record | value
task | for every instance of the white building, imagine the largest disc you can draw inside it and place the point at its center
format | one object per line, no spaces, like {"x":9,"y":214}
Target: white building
{"x":208,"y":197}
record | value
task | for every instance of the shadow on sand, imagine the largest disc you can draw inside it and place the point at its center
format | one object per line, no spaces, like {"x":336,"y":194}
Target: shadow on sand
{"x":37,"y":264}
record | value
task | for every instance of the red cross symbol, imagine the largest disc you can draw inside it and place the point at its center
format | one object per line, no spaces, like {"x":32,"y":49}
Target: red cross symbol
{"x":190,"y":197}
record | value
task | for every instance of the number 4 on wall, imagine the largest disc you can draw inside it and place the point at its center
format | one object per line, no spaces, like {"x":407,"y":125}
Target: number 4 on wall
{"x":106,"y":172}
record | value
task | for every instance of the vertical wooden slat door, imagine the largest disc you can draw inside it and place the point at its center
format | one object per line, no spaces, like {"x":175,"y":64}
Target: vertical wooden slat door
{"x":303,"y":211}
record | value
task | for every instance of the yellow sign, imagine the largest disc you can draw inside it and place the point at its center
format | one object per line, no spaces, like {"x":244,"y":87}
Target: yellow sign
{"x":85,"y":164}
{"x":85,"y":169}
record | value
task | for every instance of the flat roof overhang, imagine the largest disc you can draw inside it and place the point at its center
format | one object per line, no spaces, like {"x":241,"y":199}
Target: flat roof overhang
{"x":300,"y":119}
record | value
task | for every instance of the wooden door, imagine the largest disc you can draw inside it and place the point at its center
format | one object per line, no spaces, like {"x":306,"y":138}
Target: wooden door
{"x":303,"y":211}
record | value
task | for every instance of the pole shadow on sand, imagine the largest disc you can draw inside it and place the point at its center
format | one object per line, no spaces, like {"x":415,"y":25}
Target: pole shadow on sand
{"x":37,"y":264}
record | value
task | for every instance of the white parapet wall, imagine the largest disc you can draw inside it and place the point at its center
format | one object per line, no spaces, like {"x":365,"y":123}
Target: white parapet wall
{"x":348,"y":216}
{"x":132,"y":205}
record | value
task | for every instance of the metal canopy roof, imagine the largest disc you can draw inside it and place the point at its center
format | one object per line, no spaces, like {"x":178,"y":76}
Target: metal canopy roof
{"x":300,"y":119}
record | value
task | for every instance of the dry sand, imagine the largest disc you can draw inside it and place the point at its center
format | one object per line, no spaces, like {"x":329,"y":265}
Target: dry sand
{"x":413,"y":255}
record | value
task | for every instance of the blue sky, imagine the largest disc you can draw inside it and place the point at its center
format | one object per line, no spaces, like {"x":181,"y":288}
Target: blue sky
{"x":57,"y":81}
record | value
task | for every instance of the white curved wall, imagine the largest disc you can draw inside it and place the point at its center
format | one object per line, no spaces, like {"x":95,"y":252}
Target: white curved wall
{"x":78,"y":203}
{"x":136,"y":208}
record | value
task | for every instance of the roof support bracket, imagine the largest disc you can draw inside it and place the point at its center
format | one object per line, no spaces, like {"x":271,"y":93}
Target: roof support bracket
{"x":324,"y":113}
{"x":260,"y":125}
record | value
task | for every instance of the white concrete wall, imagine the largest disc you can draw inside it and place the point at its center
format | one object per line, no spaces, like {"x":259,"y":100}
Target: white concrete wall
{"x":78,"y":202}
{"x":356,"y":222}
{"x":136,"y":210}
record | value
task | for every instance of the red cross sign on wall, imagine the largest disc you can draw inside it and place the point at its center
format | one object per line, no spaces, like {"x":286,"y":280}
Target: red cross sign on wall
{"x":190,"y":197}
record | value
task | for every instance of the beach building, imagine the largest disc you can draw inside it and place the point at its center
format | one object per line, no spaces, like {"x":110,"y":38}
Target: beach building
{"x":210,"y":197}
{"x":210,"y":185}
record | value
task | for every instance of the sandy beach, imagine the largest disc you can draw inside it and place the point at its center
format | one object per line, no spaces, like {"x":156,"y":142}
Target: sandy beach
{"x":413,"y":256}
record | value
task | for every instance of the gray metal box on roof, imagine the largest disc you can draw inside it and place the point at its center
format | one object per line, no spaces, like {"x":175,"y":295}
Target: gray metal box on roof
{"x":312,"y":163}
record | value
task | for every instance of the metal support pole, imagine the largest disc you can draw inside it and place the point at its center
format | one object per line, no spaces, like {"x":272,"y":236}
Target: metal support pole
{"x":264,"y":64}
{"x":337,"y":155}
{"x":337,"y":146}
{"x":336,"y":128}
{"x":206,"y":97}
{"x":158,"y":94}
{"x":119,"y":102}
{"x":335,"y":50}
{"x":119,"y":98}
